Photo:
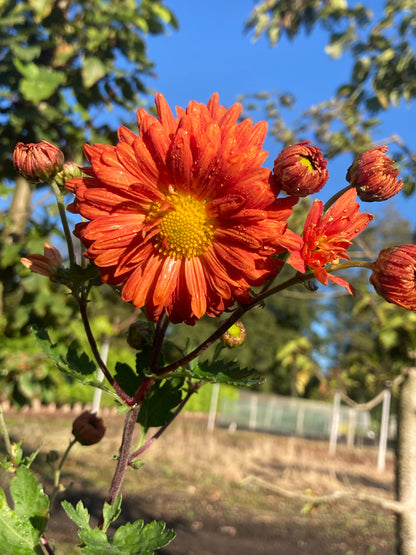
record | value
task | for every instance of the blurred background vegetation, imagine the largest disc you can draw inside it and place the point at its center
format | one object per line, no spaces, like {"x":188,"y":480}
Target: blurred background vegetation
{"x":63,"y":63}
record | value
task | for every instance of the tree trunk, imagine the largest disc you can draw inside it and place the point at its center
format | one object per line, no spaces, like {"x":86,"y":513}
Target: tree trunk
{"x":406,"y":465}
{"x":19,"y":211}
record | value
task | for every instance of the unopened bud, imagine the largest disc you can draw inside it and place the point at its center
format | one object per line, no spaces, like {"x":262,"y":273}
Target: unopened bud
{"x":374,"y":176}
{"x":234,"y":336}
{"x":69,"y":170}
{"x":38,"y":162}
{"x":300,"y":170}
{"x":88,"y":428}
{"x":139,"y":335}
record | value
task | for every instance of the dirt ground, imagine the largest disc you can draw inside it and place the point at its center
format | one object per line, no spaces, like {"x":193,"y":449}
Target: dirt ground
{"x":205,"y":486}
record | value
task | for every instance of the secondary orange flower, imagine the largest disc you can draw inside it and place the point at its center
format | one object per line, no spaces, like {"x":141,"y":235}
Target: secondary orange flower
{"x":327,"y":237}
{"x":394,"y":275}
{"x":183,"y":216}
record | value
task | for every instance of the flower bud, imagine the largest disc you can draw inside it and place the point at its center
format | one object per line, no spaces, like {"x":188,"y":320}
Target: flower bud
{"x":38,"y":162}
{"x":46,"y":264}
{"x":300,"y":170}
{"x":374,"y":176}
{"x":69,"y":170}
{"x":88,"y":428}
{"x":139,"y":334}
{"x":394,"y":275}
{"x":234,"y":336}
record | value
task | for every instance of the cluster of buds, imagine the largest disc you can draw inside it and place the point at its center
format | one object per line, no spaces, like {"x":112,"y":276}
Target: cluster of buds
{"x":300,"y":170}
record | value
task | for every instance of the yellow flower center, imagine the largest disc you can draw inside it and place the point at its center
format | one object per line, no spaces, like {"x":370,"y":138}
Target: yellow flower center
{"x":185,"y":231}
{"x":307,"y":163}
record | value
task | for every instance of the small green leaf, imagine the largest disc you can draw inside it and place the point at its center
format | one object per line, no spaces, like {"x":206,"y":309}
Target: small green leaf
{"x":111,"y":512}
{"x":136,"y":539}
{"x":79,"y":515}
{"x":92,"y":71}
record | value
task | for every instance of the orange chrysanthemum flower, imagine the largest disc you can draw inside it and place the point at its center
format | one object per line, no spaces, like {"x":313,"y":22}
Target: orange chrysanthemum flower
{"x":183,"y":216}
{"x":327,"y":237}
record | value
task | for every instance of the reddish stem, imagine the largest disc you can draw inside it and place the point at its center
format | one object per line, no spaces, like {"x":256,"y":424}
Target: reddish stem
{"x":123,"y":459}
{"x":82,"y":303}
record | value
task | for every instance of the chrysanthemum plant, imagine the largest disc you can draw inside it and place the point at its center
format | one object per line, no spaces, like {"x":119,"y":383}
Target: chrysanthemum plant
{"x":183,"y":221}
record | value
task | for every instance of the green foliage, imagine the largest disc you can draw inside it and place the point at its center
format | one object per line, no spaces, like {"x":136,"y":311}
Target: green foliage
{"x":130,"y":539}
{"x":159,"y":403}
{"x":63,"y":64}
{"x":78,"y":366}
{"x":383,"y":72}
{"x":22,"y":526}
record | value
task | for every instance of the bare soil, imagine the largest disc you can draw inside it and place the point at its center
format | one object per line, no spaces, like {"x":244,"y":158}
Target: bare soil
{"x":202,"y":485}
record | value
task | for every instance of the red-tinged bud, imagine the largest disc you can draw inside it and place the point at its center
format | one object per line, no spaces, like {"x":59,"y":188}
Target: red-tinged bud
{"x":38,"y":162}
{"x":394,"y":275}
{"x":300,"y":170}
{"x":234,"y":336}
{"x":139,"y":335}
{"x":374,"y":176}
{"x":46,"y":264}
{"x":88,"y":428}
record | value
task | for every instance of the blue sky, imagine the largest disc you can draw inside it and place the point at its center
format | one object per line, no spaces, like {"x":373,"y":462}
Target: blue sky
{"x":210,"y":52}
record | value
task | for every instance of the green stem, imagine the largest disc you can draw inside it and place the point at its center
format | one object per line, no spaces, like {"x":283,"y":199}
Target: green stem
{"x":57,"y":475}
{"x":335,"y":197}
{"x":64,"y":220}
{"x":5,"y":434}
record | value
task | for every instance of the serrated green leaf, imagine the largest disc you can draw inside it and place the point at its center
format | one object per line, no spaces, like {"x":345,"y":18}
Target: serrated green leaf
{"x":94,"y":540}
{"x":136,"y":539}
{"x":52,"y":351}
{"x":79,"y":514}
{"x":159,"y":403}
{"x":79,"y":362}
{"x":111,"y":512}
{"x":126,"y":378}
{"x":21,"y":528}
{"x":227,"y":372}
{"x":30,"y":501}
{"x":92,"y":71}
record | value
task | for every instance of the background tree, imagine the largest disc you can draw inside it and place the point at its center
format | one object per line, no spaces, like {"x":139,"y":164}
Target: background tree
{"x":71,"y":72}
{"x":381,"y":47}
